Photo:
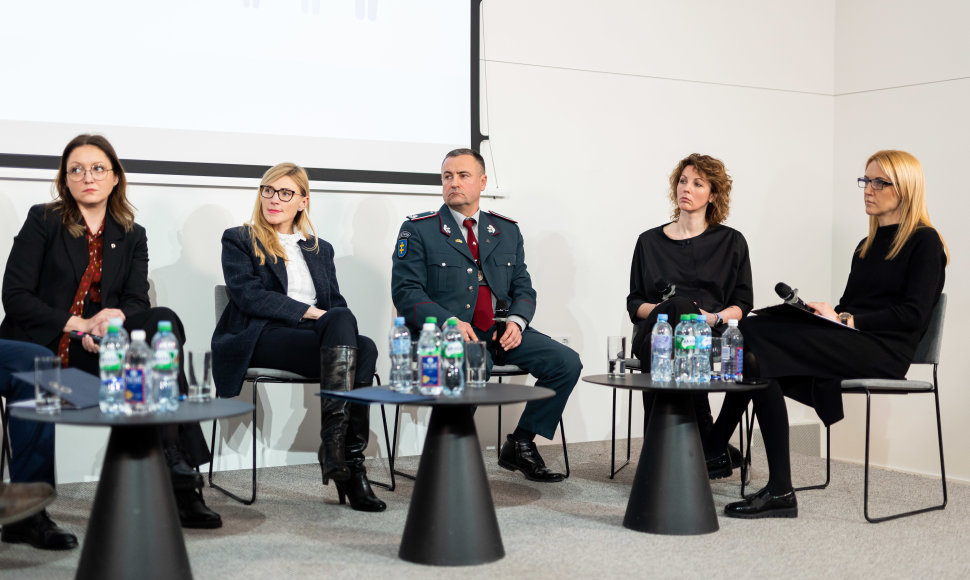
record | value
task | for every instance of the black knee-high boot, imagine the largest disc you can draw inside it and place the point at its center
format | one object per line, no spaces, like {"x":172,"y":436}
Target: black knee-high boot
{"x":337,"y":367}
{"x":357,"y":488}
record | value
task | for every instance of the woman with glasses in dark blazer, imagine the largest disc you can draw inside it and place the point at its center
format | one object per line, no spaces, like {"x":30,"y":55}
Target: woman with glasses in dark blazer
{"x":286,"y":312}
{"x":77,"y":262}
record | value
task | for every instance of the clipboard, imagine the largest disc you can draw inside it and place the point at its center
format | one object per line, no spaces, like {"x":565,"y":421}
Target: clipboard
{"x":796,"y":312}
{"x":77,"y":389}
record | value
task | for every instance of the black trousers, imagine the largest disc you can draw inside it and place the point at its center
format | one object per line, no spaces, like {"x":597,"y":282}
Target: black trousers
{"x":297,"y":349}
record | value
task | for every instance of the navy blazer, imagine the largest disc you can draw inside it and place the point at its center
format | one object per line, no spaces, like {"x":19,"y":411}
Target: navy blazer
{"x":44,"y":270}
{"x":434,"y":273}
{"x":257,"y":294}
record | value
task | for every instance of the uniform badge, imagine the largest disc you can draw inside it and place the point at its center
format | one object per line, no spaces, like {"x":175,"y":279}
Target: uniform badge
{"x":491,"y":229}
{"x":446,"y":229}
{"x":458,"y":240}
{"x":402,"y":247}
{"x":404,"y":235}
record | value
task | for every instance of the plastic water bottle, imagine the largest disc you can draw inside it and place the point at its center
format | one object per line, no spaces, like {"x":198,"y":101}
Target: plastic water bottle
{"x":111,"y":360}
{"x":683,"y":349}
{"x":702,"y":350}
{"x":429,"y":357}
{"x":399,"y":342}
{"x":732,"y":353}
{"x":453,"y":359}
{"x":661,"y":349}
{"x":165,"y":368}
{"x":138,"y":391}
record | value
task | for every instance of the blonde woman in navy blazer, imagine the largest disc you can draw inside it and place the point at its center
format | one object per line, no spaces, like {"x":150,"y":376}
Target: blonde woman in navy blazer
{"x":285,"y":312}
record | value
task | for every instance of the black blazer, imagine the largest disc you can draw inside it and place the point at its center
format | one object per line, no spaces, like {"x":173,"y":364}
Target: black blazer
{"x":257,"y":294}
{"x":45,"y":267}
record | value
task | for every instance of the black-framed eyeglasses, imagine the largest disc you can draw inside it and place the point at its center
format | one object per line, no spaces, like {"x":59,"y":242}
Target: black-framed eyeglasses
{"x":268,"y":192}
{"x":98,"y":172}
{"x":877,"y":184}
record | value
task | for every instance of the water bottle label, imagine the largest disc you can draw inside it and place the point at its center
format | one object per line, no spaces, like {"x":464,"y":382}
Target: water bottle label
{"x":685,"y":342}
{"x":135,"y":385}
{"x":740,"y":361}
{"x":662,"y":341}
{"x":429,"y":371}
{"x":402,"y":346}
{"x":454,"y":349}
{"x":164,"y":361}
{"x":705,"y":343}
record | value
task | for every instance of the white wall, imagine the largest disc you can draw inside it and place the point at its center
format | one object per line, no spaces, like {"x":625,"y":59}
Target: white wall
{"x":903,"y":82}
{"x":589,"y":106}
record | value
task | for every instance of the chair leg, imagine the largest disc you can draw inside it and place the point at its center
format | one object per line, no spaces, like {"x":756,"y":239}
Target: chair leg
{"x":5,"y":443}
{"x":613,"y":468}
{"x":390,"y":451}
{"x":828,"y":464}
{"x":939,"y":433}
{"x":565,"y":453}
{"x":397,"y":426}
{"x":252,"y":498}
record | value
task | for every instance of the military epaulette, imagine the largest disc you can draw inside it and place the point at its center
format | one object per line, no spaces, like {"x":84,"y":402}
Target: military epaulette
{"x":421,"y":216}
{"x":508,"y":219}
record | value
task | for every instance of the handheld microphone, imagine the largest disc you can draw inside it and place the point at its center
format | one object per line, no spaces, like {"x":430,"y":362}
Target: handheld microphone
{"x":665,"y":288}
{"x":790,"y":296}
{"x":501,"y":322}
{"x":78,"y":335}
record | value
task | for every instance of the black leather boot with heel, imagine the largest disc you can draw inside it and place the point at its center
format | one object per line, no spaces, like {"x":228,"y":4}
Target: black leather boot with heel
{"x":337,"y":367}
{"x":357,"y":488}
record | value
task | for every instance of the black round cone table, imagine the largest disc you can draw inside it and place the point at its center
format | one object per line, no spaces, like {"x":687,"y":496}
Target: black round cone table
{"x":451,"y":520}
{"x":134,"y":529}
{"x":671,"y":492}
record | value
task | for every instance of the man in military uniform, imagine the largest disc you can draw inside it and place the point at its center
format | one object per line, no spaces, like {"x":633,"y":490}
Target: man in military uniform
{"x":460,"y":261}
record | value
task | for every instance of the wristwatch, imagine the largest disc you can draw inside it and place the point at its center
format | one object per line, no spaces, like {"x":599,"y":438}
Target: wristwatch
{"x":718,"y":321}
{"x":845,"y":317}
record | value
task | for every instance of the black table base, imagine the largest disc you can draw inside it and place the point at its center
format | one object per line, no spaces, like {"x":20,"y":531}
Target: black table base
{"x":134,"y":530}
{"x":671,"y":493}
{"x":451,"y":520}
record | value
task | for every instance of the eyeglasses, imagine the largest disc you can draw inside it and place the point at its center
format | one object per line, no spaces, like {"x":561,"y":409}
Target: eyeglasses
{"x":877,"y":184}
{"x":268,"y":192}
{"x":98,"y":172}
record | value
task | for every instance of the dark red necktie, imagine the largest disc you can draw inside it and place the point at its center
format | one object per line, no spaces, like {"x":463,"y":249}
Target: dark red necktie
{"x":484,"y":316}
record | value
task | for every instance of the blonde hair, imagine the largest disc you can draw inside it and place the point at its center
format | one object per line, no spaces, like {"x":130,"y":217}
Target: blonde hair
{"x":715,"y":173}
{"x":906,"y":174}
{"x":262,"y":233}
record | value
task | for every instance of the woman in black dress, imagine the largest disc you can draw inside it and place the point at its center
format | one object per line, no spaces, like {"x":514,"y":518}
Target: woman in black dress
{"x":896,"y":278}
{"x":705,"y":263}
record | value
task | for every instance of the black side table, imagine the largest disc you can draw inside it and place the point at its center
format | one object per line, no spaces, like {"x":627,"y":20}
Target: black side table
{"x":671,"y":492}
{"x":134,"y":530}
{"x":451,"y":520}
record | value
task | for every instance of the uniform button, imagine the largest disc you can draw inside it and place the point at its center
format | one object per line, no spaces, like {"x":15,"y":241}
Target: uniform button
{"x":443,"y":264}
{"x":470,"y":288}
{"x":467,"y":307}
{"x":509,"y":264}
{"x":469,"y":270}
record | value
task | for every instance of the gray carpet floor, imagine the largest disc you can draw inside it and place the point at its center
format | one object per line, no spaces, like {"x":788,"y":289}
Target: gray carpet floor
{"x":296,"y":529}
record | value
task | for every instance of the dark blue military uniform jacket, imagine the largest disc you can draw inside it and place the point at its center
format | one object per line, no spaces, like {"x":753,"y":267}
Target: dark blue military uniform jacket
{"x":434,"y":273}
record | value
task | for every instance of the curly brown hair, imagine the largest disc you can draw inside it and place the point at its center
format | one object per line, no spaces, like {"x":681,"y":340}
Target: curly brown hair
{"x":714,"y":172}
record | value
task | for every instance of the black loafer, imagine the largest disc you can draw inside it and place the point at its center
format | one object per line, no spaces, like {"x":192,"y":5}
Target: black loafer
{"x":524,"y":456}
{"x":193,"y":513}
{"x":719,"y":466}
{"x":40,"y":531}
{"x":183,"y":475}
{"x":764,"y":505}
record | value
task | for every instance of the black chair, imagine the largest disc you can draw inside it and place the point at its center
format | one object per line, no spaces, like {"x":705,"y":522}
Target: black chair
{"x":270,"y":376}
{"x":498,"y":372}
{"x":5,"y":452}
{"x":927,"y":353}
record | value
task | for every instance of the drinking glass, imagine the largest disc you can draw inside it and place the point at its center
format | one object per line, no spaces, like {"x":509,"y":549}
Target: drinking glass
{"x":47,"y":371}
{"x":200,"y":376}
{"x":715,"y":358}
{"x":615,"y":355}
{"x":475,"y":358}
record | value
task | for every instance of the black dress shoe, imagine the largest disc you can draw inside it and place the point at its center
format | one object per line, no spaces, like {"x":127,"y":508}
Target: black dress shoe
{"x":359,"y":491}
{"x":40,"y":532}
{"x":719,"y":466}
{"x":183,"y":475}
{"x":193,"y":512}
{"x":524,"y":456}
{"x":764,"y":505}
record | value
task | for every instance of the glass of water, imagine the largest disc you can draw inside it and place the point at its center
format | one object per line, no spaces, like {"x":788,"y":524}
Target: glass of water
{"x":475,"y":358}
{"x":715,"y":358}
{"x":47,"y":381}
{"x":615,"y":355}
{"x":200,"y":376}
